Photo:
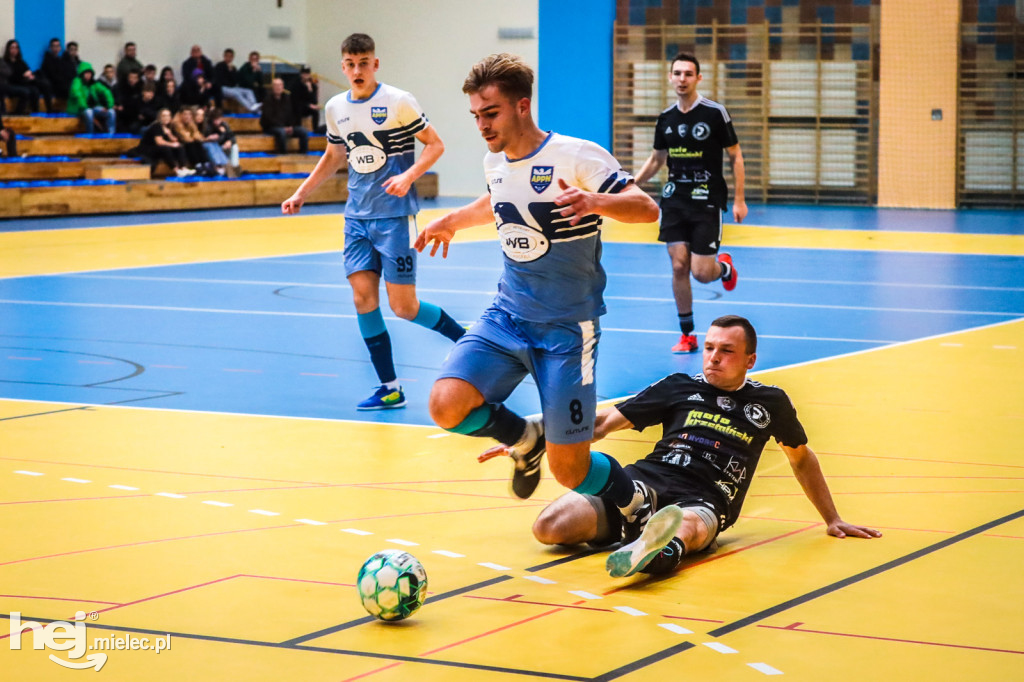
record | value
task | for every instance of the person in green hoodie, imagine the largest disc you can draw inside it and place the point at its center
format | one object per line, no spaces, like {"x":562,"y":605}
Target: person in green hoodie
{"x":89,"y":99}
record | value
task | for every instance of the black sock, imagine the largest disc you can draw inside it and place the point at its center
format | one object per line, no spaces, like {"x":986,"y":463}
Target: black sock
{"x":504,"y":425}
{"x":667,"y":559}
{"x":619,"y":488}
{"x":449,"y":327}
{"x":686,"y":323}
{"x":380,"y":355}
{"x":726,"y":271}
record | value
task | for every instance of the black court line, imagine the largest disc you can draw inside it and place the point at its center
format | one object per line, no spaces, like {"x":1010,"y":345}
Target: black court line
{"x":864,"y":575}
{"x":323,"y":650}
{"x":296,"y":641}
{"x":643,"y":662}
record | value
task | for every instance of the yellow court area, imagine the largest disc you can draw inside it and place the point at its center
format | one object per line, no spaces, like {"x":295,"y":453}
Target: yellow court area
{"x":239,"y":537}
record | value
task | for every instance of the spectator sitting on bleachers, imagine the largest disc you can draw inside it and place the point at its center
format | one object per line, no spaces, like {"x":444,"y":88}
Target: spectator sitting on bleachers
{"x":306,"y":98}
{"x":167,"y":96}
{"x":90,"y":99}
{"x":128,"y":103}
{"x":250,"y":76}
{"x":69,"y":62}
{"x":109,"y":78}
{"x":160,"y":144}
{"x":22,"y":79}
{"x":167,"y":74}
{"x":197,"y":60}
{"x":184,"y":127}
{"x":128,"y":62}
{"x":197,"y":91}
{"x":229,"y":82}
{"x":149,"y":75}
{"x":10,"y":140}
{"x":278,"y":119}
{"x":215,"y":124}
{"x":214,"y":152}
{"x":50,"y":70}
{"x":149,"y":107}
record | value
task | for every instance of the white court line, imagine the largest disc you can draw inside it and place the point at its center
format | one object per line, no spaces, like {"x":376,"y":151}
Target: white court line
{"x":76,"y":480}
{"x":451,"y":555}
{"x":496,"y":567}
{"x":439,"y":435}
{"x":720,"y":648}
{"x":122,"y":487}
{"x":538,"y":579}
{"x":356,"y":531}
{"x":263,"y":512}
{"x":678,"y":629}
{"x":1005,"y":347}
{"x":647,"y":299}
{"x":173,"y":496}
{"x":404,"y":543}
{"x":215,"y":503}
{"x":630,"y":611}
{"x":583,"y":594}
{"x":29,"y":473}
{"x":312,"y":522}
{"x":765,"y":668}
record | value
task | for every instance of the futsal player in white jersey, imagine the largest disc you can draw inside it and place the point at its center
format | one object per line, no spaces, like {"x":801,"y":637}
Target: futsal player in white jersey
{"x":374,"y":127}
{"x":547,"y":193}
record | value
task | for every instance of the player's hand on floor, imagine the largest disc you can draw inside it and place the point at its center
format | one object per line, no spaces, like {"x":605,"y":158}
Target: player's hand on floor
{"x":437,"y":235}
{"x":497,"y":451}
{"x":842,"y":529}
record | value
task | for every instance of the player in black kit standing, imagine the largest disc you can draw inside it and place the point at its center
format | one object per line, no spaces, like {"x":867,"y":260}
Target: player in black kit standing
{"x":690,"y":136}
{"x":714,"y":427}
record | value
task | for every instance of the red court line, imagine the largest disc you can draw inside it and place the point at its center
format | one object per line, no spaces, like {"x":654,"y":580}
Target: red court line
{"x":831,"y":476}
{"x":921,"y":459}
{"x":77,"y":499}
{"x":894,"y":492}
{"x":513,"y":599}
{"x":913,"y":530}
{"x":294,"y":580}
{"x":377,"y":486}
{"x":167,"y":594}
{"x":794,"y":628}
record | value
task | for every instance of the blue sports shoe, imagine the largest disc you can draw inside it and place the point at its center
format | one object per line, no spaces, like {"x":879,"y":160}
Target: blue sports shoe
{"x":383,"y":398}
{"x":657,"y":533}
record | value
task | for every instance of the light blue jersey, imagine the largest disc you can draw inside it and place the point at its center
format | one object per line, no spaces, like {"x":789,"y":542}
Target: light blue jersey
{"x":552,"y":269}
{"x":379,"y":134}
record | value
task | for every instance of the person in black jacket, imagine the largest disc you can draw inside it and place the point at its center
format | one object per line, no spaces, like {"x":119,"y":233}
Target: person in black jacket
{"x":306,"y":98}
{"x":23,"y":78}
{"x":128,"y":102}
{"x":227,"y":78}
{"x":197,"y":60}
{"x":278,"y":119}
{"x":159,"y":143}
{"x":52,"y":71}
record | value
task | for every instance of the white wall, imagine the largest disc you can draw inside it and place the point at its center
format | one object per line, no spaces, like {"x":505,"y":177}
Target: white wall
{"x":164,"y":31}
{"x":427,"y":48}
{"x":7,"y":20}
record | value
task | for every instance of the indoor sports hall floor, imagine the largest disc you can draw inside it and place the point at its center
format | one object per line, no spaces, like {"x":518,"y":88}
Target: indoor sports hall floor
{"x":180,"y":456}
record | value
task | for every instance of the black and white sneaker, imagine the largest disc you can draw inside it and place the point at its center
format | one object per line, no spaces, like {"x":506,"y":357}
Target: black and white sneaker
{"x":657,"y":534}
{"x":638,"y":512}
{"x":526,"y":474}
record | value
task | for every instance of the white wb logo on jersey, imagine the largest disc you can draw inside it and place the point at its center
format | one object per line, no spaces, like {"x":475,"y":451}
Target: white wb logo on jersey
{"x":521,"y":243}
{"x":366,"y":158}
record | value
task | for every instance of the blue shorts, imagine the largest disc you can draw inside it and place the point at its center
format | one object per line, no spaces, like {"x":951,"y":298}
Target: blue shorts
{"x":382,"y":245}
{"x":499,"y":351}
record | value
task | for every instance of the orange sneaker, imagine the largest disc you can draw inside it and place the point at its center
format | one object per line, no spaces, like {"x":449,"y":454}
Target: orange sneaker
{"x":687,"y":344}
{"x":728,"y":284}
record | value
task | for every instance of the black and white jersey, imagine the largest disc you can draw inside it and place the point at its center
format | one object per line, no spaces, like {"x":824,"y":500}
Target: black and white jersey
{"x":716,"y":437}
{"x":694,"y":142}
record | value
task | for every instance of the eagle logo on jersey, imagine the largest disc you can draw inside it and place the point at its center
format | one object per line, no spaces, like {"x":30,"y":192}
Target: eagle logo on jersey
{"x":757,"y":414}
{"x":701,"y":131}
{"x":541,"y":178}
{"x":364,"y":157}
{"x":379,"y":114}
{"x":519,"y":242}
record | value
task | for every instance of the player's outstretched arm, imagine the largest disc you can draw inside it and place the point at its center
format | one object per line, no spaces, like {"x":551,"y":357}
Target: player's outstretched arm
{"x":739,"y":173}
{"x":441,"y":231}
{"x":651,"y":166}
{"x":631,"y":205}
{"x":433,"y":147}
{"x":807,"y":470}
{"x":331,"y":162}
{"x":608,"y":421}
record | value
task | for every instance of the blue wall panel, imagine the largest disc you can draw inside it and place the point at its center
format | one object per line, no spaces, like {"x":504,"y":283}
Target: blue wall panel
{"x":35,"y":22}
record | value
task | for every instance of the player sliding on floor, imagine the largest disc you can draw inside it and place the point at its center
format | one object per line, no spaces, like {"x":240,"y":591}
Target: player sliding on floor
{"x":715,"y":426}
{"x":548,"y":194}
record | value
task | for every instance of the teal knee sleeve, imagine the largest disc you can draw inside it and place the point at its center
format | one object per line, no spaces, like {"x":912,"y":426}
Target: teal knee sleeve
{"x":597,"y":475}
{"x":474,"y":421}
{"x":428,"y":315}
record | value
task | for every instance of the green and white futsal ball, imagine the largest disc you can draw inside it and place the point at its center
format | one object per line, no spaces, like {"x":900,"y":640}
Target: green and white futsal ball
{"x":392,"y":584}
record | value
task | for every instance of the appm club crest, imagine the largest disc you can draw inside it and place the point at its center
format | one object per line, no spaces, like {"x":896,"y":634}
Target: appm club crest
{"x":541,"y":178}
{"x":379,"y":114}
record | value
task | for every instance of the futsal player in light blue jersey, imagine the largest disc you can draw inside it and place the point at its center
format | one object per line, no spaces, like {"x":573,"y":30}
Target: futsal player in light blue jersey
{"x":374,"y":127}
{"x":547,"y":194}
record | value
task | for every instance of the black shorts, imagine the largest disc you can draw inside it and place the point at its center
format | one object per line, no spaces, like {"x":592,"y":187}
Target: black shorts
{"x":671,"y":484}
{"x":698,"y":226}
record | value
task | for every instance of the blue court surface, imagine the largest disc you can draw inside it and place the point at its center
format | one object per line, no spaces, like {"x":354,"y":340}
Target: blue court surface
{"x":278,"y":336}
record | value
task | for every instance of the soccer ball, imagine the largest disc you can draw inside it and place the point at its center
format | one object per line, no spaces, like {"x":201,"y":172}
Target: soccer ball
{"x":392,"y":584}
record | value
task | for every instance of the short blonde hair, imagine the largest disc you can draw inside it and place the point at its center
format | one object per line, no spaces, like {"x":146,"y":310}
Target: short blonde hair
{"x":507,"y":71}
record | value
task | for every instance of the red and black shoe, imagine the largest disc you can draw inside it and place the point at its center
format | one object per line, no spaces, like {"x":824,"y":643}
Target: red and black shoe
{"x":728,"y":284}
